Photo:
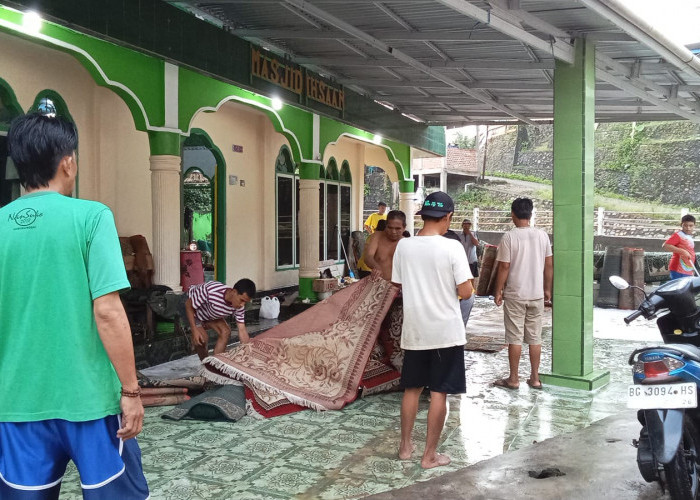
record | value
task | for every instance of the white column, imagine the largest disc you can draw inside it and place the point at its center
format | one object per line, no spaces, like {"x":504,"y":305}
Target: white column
{"x":443,"y":180}
{"x":601,"y":221}
{"x":406,"y":205}
{"x":165,"y":199}
{"x":308,"y":228}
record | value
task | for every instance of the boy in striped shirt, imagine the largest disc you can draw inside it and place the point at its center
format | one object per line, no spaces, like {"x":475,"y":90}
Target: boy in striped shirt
{"x":206,"y":306}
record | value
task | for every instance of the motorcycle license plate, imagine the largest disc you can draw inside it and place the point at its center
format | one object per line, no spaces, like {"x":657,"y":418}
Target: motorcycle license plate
{"x":662,"y":396}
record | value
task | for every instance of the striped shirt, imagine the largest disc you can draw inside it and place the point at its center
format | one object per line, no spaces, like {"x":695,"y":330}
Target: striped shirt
{"x":209,"y":303}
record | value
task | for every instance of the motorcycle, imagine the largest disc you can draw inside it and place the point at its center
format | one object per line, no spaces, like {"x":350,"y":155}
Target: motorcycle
{"x":666,"y":381}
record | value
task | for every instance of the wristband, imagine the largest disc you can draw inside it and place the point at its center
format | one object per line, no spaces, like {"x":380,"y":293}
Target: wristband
{"x":131,"y":394}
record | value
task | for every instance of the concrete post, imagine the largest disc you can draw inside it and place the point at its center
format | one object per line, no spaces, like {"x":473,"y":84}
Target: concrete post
{"x":406,"y":205}
{"x":308,"y":231}
{"x":572,"y":316}
{"x":165,"y":187}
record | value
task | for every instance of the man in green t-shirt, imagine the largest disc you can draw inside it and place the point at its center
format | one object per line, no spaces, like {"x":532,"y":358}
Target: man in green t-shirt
{"x":68,"y":387}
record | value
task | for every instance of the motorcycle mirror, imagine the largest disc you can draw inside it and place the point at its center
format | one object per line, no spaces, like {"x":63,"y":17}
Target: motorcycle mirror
{"x":619,"y":282}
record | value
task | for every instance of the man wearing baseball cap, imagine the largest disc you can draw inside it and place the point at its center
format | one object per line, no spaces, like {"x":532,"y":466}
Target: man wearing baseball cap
{"x":432,"y":272}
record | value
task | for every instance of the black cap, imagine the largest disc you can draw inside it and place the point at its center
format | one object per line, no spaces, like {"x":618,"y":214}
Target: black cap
{"x":437,"y":204}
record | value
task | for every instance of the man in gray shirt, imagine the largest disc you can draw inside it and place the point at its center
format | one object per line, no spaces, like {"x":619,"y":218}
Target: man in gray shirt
{"x":523,"y":285}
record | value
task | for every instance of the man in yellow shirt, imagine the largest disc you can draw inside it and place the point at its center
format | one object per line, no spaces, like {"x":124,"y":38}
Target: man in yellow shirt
{"x":372,"y":220}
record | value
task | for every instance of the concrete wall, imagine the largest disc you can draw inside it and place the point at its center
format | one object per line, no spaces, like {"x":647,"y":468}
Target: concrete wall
{"x":656,"y":161}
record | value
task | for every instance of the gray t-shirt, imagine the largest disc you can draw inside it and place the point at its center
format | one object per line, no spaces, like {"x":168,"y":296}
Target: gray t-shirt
{"x":469,"y":245}
{"x":525,"y":248}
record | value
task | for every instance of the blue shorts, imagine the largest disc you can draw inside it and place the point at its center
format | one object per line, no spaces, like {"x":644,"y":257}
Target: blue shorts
{"x":34,"y":456}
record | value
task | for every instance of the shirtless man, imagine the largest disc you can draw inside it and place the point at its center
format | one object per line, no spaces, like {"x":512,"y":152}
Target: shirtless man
{"x":379,"y":253}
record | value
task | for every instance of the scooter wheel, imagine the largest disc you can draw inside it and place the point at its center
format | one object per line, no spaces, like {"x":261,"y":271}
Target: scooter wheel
{"x":683,"y":472}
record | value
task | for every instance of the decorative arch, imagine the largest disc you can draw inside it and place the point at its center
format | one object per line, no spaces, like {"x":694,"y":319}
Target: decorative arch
{"x":199,"y":137}
{"x":332,"y":170}
{"x":285,"y":162}
{"x":9,"y":106}
{"x":295,"y":144}
{"x":345,"y":175}
{"x":9,"y":178}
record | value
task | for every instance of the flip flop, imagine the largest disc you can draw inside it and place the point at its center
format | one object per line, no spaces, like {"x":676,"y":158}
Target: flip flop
{"x":503,"y":383}
{"x":533,"y":386}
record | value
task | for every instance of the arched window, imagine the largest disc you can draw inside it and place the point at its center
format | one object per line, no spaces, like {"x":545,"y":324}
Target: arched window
{"x":334,"y":200}
{"x":50,"y":103}
{"x":287,"y":209}
{"x":9,"y":179}
{"x":204,"y":202}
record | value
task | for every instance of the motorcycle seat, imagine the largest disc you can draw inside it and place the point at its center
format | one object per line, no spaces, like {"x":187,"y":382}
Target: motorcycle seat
{"x":687,"y":350}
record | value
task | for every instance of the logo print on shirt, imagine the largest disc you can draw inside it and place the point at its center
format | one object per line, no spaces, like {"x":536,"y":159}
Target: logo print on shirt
{"x":25,"y":217}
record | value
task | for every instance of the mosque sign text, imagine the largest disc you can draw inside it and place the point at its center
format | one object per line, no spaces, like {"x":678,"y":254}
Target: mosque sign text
{"x":287,"y":75}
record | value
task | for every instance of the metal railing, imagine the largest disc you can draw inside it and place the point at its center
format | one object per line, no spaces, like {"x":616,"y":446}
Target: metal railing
{"x":606,"y":222}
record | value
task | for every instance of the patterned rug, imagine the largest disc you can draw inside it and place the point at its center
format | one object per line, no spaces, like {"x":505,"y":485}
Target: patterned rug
{"x":484,"y":343}
{"x":316,"y":359}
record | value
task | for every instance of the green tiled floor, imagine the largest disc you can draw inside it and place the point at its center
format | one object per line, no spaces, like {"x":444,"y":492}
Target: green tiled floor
{"x":352,"y":453}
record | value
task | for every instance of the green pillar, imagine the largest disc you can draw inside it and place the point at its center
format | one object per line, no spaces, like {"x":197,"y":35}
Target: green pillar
{"x":309,"y":215}
{"x":572,"y":316}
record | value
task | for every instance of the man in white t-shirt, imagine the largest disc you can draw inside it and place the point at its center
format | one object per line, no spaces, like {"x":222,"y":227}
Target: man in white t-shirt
{"x":432,"y":272}
{"x":523,"y":285}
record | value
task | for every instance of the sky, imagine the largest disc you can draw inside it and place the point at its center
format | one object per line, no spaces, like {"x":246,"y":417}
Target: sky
{"x":677,"y":19}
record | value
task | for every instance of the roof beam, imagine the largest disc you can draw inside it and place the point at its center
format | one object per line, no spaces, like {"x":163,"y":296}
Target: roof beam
{"x":638,"y":85}
{"x":378,"y":44}
{"x":351,"y":61}
{"x":386,"y":35}
{"x":632,"y":89}
{"x":559,"y":49}
{"x":439,"y":84}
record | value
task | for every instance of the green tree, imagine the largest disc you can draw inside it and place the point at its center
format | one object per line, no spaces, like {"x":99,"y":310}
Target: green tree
{"x":464,"y":142}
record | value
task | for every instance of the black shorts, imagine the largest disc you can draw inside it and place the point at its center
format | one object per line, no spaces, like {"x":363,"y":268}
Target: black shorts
{"x":440,"y":370}
{"x":475,"y":269}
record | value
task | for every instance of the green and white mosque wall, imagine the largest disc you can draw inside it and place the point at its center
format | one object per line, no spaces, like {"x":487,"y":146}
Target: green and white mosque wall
{"x":130,"y":107}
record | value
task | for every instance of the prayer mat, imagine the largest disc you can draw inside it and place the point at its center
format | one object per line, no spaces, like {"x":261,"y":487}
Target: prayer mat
{"x":315,"y":359}
{"x":223,"y":403}
{"x":379,"y":377}
{"x":484,"y":343}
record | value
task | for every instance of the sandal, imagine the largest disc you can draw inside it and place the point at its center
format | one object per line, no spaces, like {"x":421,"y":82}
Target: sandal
{"x":503,"y":383}
{"x":533,"y":386}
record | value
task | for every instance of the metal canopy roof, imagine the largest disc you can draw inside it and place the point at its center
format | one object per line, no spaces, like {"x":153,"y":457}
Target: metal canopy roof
{"x":459,"y":62}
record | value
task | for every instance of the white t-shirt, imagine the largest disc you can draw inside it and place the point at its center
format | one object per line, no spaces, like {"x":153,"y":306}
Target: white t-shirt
{"x":429,"y":268}
{"x":525,"y":248}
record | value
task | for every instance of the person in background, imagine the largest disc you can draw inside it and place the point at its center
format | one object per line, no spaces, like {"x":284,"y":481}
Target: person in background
{"x":68,"y":389}
{"x":363,"y":268}
{"x":523,"y":285}
{"x":465,"y":305}
{"x":470,"y":242}
{"x":373,"y":219}
{"x":432,"y":271}
{"x":207,"y":305}
{"x":379,"y":252}
{"x":681,"y":243}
